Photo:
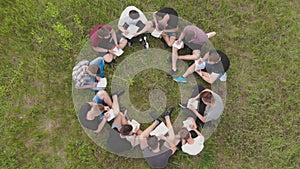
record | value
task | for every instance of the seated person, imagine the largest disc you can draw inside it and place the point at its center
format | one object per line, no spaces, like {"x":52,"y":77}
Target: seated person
{"x":91,"y":114}
{"x":133,"y":16}
{"x":165,"y":20}
{"x":213,"y":106}
{"x":191,"y":139}
{"x":157,"y":155}
{"x":193,"y":38}
{"x":94,"y":70}
{"x":94,"y":116}
{"x":211,"y":67}
{"x":104,"y":39}
{"x":130,"y":133}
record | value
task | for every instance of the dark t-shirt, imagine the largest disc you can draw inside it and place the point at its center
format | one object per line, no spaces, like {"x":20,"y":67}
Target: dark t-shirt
{"x":173,"y":21}
{"x":117,"y":144}
{"x":159,"y":159}
{"x":90,"y":124}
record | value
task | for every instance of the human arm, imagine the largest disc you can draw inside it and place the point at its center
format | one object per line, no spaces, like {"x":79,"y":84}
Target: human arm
{"x":192,"y":108}
{"x":87,"y":86}
{"x":155,"y":19}
{"x":194,"y":56}
{"x":169,"y":142}
{"x":114,"y":36}
{"x":172,"y":30}
{"x":99,"y":49}
{"x":209,"y":78}
{"x":122,"y":29}
{"x":102,"y":123}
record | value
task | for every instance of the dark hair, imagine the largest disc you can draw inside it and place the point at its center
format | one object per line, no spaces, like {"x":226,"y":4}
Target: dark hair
{"x":213,"y":56}
{"x":189,"y":35}
{"x":184,"y":133}
{"x":152,"y":142}
{"x":207,"y":96}
{"x":133,"y":14}
{"x":101,"y":107}
{"x":125,"y":129}
{"x":102,"y":32}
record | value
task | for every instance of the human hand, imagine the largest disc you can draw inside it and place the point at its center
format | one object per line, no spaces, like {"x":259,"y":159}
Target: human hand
{"x":178,"y":42}
{"x":199,"y":72}
{"x":98,"y":78}
{"x":161,"y":137}
{"x":126,"y":32}
{"x":106,"y":115}
{"x":135,"y":34}
{"x":106,"y":108}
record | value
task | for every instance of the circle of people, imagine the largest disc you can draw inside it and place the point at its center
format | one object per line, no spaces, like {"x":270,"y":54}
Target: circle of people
{"x":158,"y":141}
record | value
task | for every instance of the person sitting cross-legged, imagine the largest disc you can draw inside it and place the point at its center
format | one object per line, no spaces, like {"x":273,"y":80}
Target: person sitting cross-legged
{"x":104,"y":39}
{"x":133,"y":16}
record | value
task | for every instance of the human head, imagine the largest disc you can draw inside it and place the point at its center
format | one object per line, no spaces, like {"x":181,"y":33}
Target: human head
{"x":103,"y":32}
{"x":189,"y":35}
{"x":152,"y":142}
{"x":184,"y":133}
{"x":93,"y":69}
{"x":126,"y":129}
{"x":213,"y":56}
{"x":133,"y":14}
{"x":207,"y":97}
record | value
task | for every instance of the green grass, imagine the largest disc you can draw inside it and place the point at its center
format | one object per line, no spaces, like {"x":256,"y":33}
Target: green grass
{"x":41,"y":39}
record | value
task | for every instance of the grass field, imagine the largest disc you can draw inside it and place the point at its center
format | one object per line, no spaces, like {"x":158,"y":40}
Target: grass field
{"x":40,"y":41}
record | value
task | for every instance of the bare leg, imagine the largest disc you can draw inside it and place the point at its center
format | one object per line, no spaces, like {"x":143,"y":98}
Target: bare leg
{"x":122,"y":43}
{"x":105,"y":97}
{"x":108,"y":57}
{"x":174,"y":58}
{"x":171,"y":138}
{"x":169,"y":39}
{"x":142,"y":138}
{"x":189,"y":71}
{"x":115,"y":104}
{"x":211,"y":34}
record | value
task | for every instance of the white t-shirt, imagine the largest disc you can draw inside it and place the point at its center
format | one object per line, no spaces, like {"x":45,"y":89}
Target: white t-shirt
{"x":195,"y":148}
{"x":124,"y":18}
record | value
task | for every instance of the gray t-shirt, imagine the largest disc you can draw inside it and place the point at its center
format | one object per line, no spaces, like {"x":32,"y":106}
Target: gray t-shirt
{"x":213,"y":113}
{"x":159,"y":159}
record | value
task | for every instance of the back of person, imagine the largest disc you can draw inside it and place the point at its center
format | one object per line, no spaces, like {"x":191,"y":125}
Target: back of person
{"x":195,"y":148}
{"x":159,"y":159}
{"x":214,"y":112}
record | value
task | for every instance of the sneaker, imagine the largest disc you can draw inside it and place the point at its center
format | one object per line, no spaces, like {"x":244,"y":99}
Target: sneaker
{"x":145,"y":43}
{"x":154,"y":116}
{"x":118,"y":93}
{"x":180,"y":79}
{"x":129,"y":43}
{"x":168,"y":112}
{"x":171,"y":73}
